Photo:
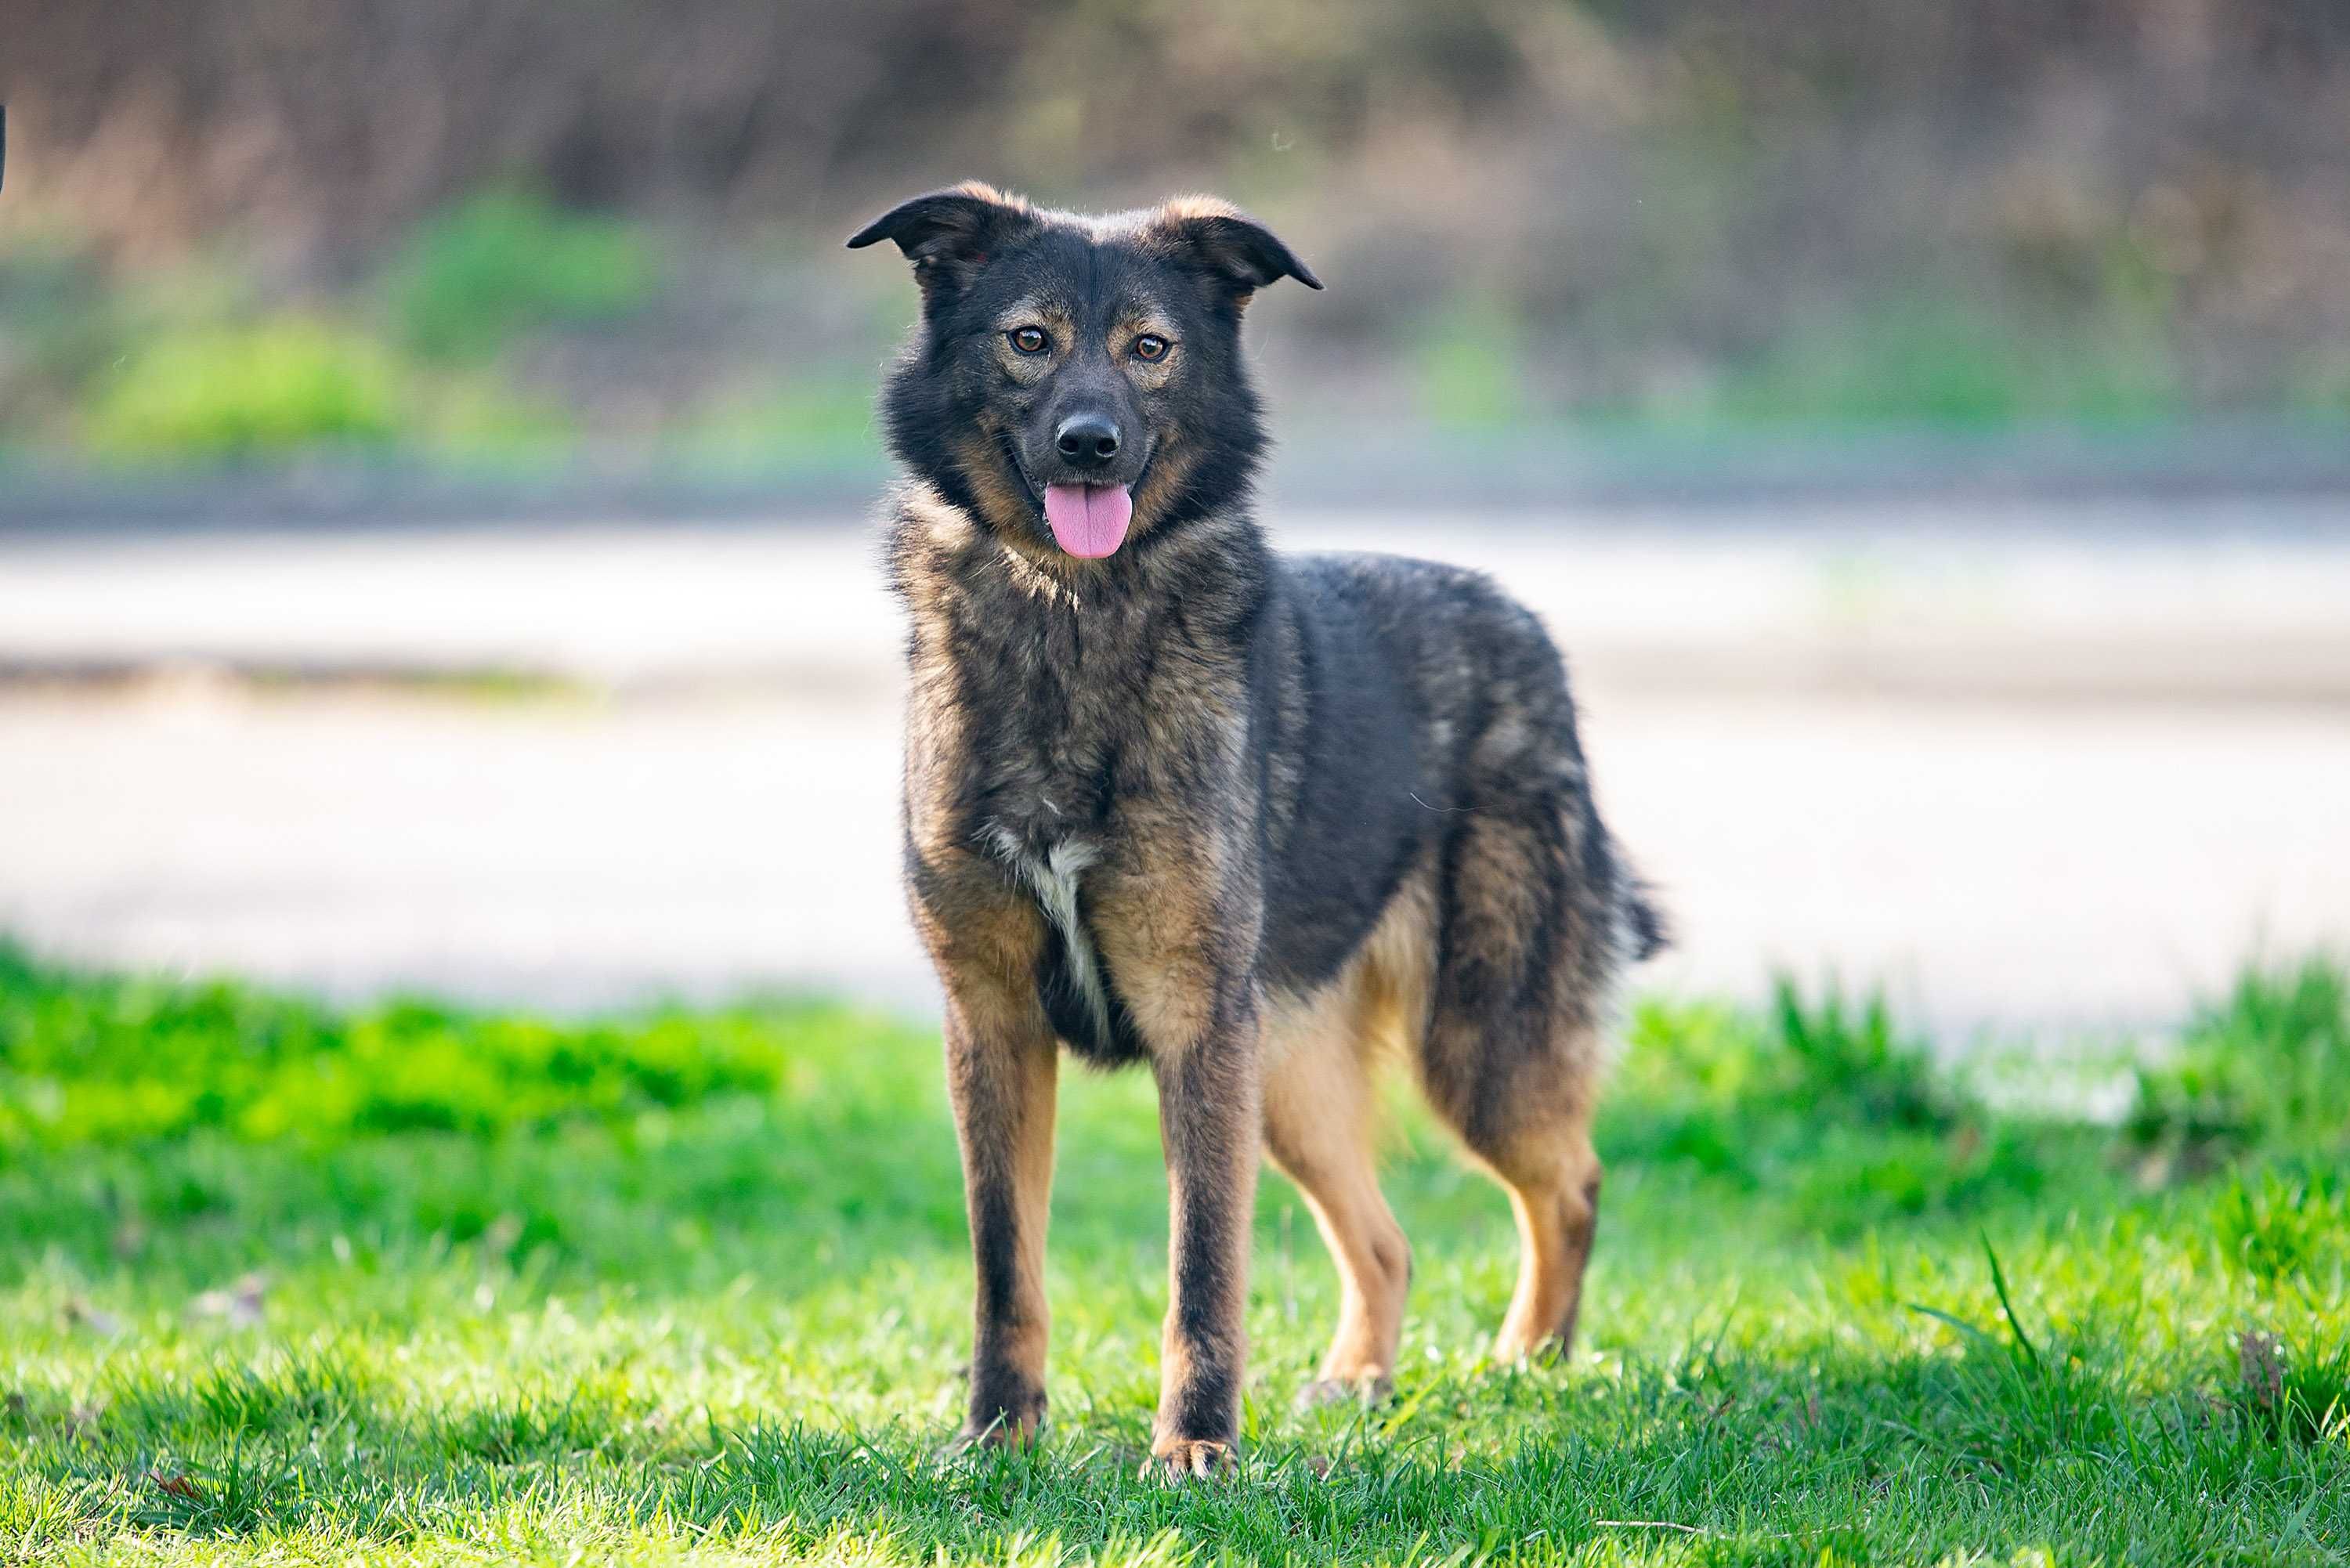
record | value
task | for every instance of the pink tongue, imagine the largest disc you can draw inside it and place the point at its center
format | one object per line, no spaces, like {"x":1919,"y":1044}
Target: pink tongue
{"x":1089,"y":520}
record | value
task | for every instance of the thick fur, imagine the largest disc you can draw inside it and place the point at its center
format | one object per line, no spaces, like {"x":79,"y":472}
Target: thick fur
{"x":1241,"y":817}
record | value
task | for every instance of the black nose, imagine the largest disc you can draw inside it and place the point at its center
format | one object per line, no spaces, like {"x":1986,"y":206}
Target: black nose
{"x":1088,"y":439}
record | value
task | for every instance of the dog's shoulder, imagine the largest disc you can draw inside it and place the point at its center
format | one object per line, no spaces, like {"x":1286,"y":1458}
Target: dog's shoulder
{"x":1375,"y":583}
{"x":1428,"y":615}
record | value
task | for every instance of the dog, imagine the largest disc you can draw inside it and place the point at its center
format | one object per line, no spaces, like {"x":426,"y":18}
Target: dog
{"x":1173,"y":799}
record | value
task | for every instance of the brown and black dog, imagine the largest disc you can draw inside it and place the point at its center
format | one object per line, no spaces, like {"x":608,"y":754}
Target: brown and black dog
{"x":1172,"y":798}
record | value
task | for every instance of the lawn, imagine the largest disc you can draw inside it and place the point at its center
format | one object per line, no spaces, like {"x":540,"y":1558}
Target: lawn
{"x":280,"y":1283}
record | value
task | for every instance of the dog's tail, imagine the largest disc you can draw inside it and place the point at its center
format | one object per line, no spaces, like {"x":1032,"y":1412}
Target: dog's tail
{"x":1646,"y":931}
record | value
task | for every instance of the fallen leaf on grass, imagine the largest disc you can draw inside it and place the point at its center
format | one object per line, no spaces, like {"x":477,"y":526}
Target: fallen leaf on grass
{"x":177,"y":1486}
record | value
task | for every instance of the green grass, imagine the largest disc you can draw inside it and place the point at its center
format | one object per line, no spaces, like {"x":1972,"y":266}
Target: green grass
{"x":2268,"y":1062}
{"x":280,"y":1283}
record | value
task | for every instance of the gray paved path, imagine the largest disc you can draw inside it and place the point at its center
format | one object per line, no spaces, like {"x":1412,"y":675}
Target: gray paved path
{"x":2038,"y":772}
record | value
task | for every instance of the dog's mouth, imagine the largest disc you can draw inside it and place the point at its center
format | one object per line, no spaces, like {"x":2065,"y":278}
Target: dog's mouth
{"x":1087,"y":521}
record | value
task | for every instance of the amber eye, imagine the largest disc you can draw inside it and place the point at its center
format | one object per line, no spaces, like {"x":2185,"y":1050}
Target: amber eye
{"x":1150,"y":345}
{"x":1029,"y":339}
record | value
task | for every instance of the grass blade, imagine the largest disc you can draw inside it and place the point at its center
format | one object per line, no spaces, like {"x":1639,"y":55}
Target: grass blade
{"x":1998,"y":1283}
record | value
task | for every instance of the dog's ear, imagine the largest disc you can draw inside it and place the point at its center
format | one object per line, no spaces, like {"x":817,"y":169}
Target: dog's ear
{"x":950,"y":235}
{"x":1239,"y":254}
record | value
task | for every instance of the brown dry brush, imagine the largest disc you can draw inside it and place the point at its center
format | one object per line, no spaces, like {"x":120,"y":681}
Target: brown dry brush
{"x":1729,"y":162}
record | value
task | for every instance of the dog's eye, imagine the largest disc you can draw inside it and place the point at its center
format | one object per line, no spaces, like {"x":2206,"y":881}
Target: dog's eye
{"x":1150,"y":345}
{"x":1029,"y":339}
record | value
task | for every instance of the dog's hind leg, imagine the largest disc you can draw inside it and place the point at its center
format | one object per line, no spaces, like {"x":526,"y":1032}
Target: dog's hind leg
{"x":1552,"y":1175}
{"x":1533,"y":1137}
{"x":1512,"y":1057}
{"x":1319,"y":1130}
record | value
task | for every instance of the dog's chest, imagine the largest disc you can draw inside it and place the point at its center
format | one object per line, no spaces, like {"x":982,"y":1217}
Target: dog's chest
{"x":1052,"y":792}
{"x":1050,"y":750}
{"x":1052,"y":874}
{"x":1072,"y":985}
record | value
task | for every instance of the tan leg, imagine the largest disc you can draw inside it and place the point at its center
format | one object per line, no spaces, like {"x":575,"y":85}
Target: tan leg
{"x":1179,"y":958}
{"x":1002,"y":1087}
{"x":1552,"y":1176}
{"x":1528,"y":907}
{"x":1319,"y":1129}
{"x":1001,"y":1065}
{"x":1208,"y":1117}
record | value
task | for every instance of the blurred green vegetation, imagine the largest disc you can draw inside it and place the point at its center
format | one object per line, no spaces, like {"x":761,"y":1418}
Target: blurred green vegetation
{"x":507,"y":328}
{"x":2266,"y":1068}
{"x":271,"y":386}
{"x":1467,"y":361}
{"x":283,"y":1281}
{"x":824,"y":419}
{"x":1939,"y":363}
{"x":470,"y":279}
{"x":195,"y":365}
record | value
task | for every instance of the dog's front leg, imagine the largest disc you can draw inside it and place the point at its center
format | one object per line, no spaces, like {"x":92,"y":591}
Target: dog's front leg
{"x":1000,"y":1077}
{"x":1002,"y":1062}
{"x":1209,"y":1094}
{"x":1179,"y":930}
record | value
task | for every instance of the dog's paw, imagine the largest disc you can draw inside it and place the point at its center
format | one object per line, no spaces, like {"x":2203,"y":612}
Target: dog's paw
{"x":971,"y":1439}
{"x":1189,"y":1458}
{"x":996,"y":1429}
{"x":1326,"y":1391}
{"x":1529,"y":1349}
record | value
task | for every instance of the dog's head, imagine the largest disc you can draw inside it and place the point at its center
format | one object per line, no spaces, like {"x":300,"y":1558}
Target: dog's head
{"x":1077,"y":383}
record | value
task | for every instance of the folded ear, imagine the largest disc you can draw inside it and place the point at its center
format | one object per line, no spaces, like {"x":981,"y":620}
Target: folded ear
{"x":1234,"y":249}
{"x":949,"y":234}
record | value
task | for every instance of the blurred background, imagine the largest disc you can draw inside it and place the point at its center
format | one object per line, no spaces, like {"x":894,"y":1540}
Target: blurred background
{"x":436,"y":450}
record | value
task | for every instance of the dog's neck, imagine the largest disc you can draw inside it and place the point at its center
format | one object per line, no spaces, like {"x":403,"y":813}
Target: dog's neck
{"x":1212,"y":570}
{"x":1024,"y":683}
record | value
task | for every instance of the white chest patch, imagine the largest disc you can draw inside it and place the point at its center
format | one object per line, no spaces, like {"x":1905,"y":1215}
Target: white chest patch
{"x":1052,"y":878}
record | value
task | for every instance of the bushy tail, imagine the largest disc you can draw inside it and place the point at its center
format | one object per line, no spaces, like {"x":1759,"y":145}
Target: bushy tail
{"x":1644,"y":923}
